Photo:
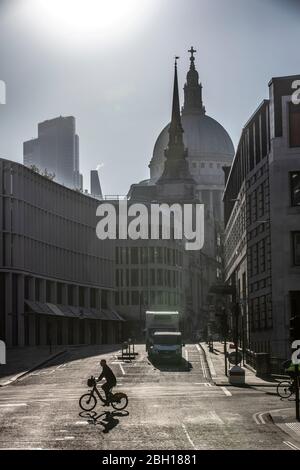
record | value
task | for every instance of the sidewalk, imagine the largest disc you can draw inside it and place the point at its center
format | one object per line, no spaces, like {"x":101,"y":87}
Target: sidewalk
{"x":19,"y":361}
{"x":285,"y":420}
{"x":216,"y":366}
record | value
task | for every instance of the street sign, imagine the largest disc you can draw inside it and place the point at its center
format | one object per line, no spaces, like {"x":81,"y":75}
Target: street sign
{"x":235,"y":357}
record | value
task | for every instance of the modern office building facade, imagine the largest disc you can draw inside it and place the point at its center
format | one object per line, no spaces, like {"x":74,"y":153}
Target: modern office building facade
{"x":56,"y":150}
{"x":56,"y":276}
{"x":262,"y":221}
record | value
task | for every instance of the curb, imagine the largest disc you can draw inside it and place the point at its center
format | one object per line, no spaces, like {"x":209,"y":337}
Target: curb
{"x":36,"y":366}
{"x":220,"y":382}
{"x":285,"y":426}
{"x":212,"y":370}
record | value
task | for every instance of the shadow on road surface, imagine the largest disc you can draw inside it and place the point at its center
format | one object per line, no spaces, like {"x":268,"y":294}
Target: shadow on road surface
{"x":182,"y":366}
{"x":107,"y":419}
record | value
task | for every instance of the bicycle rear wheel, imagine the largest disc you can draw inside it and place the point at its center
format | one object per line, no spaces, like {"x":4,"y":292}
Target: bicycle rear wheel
{"x":119,"y":401}
{"x":87,"y":402}
{"x":284,"y":389}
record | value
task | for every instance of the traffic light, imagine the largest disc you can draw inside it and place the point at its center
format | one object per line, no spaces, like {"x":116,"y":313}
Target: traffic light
{"x":295,"y":328}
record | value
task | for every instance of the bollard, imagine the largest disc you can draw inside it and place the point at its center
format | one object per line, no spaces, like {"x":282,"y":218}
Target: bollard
{"x":236,"y":375}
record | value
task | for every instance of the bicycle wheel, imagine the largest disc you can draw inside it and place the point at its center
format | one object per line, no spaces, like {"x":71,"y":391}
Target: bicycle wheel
{"x":87,"y":402}
{"x":119,"y":401}
{"x":284,"y":389}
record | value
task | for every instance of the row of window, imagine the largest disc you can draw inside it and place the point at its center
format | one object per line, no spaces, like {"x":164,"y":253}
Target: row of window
{"x":295,"y":188}
{"x":61,"y":263}
{"x":146,"y":299}
{"x":259,"y":285}
{"x":145,"y":255}
{"x":296,"y":248}
{"x":204,"y":164}
{"x":53,"y":292}
{"x":257,"y":202}
{"x":258,"y":258}
{"x":260,"y":313}
{"x":144,"y":277}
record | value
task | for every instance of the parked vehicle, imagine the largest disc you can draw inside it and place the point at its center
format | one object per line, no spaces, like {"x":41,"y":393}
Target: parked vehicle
{"x":160,"y":321}
{"x":166,"y":345}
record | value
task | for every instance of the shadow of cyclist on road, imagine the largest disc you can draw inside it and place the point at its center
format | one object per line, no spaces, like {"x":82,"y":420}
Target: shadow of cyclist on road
{"x":107,"y":419}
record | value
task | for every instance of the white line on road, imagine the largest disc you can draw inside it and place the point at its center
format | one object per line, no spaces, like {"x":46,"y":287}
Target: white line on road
{"x":258,"y":417}
{"x":201,"y":362}
{"x":291,"y":445}
{"x":186,"y":355}
{"x":209,"y":361}
{"x":122,"y":369}
{"x":227,"y":392}
{"x":13,"y":404}
{"x":66,"y":438}
{"x":188,"y":437}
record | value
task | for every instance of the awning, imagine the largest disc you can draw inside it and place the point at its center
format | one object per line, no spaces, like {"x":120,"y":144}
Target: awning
{"x":69,"y":311}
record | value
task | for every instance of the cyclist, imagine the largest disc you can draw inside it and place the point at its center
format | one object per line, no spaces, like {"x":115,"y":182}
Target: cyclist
{"x":111,"y":380}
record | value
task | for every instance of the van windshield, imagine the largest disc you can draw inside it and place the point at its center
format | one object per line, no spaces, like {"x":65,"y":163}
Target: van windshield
{"x":167,"y":339}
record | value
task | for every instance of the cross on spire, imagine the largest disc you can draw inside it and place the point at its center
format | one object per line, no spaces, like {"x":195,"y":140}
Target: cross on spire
{"x":192,"y":51}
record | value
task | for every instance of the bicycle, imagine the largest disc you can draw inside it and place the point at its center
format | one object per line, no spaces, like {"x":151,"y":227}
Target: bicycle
{"x":88,"y":401}
{"x":286,"y":388}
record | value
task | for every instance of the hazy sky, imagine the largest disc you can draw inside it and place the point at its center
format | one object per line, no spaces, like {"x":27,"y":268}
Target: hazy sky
{"x":111,"y":67}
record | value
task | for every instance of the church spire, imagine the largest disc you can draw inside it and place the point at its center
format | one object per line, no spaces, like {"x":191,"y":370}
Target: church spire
{"x":176,"y":165}
{"x":175,"y":130}
{"x":193,"y":89}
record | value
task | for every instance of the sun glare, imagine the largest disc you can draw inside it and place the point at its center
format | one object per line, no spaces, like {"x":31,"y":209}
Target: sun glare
{"x":83,"y":20}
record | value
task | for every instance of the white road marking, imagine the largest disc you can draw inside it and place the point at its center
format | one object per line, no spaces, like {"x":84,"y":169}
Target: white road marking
{"x":188,"y":437}
{"x":210,"y":363}
{"x":186,"y":355}
{"x":81,"y":423}
{"x":227,"y":392}
{"x":21,"y":448}
{"x":66,"y":438}
{"x":13,"y":404}
{"x":291,"y":445}
{"x":122,"y":369}
{"x":203,"y":368}
{"x":258,"y":417}
{"x":201,"y":362}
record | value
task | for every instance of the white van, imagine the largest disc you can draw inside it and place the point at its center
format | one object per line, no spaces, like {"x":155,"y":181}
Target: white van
{"x":166,"y":345}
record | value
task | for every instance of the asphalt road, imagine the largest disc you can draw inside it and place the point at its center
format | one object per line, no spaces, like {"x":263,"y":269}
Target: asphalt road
{"x":170,"y":407}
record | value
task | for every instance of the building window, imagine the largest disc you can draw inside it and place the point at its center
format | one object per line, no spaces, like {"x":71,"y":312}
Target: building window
{"x":134,"y":256}
{"x":134,"y":298}
{"x":296,"y":248}
{"x":152,"y":277}
{"x":134,"y":277}
{"x":294,"y":115}
{"x":295,"y":188}
{"x":104,"y":299}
